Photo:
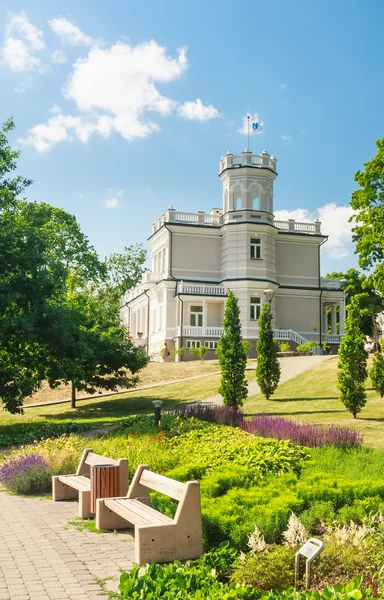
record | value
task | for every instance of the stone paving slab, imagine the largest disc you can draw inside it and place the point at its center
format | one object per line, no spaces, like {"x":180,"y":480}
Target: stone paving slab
{"x":44,"y":558}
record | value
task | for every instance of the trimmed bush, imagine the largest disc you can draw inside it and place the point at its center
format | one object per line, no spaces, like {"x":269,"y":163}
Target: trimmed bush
{"x":27,"y":474}
{"x":307,"y":347}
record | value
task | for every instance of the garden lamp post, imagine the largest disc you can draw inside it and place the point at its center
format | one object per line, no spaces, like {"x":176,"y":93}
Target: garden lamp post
{"x":269,"y":294}
{"x":157,"y":411}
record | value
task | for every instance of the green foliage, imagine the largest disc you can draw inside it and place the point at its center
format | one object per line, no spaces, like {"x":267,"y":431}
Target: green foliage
{"x":368,"y":205}
{"x":199,"y":352}
{"x":267,"y":366}
{"x":27,"y":433}
{"x":377,"y":373}
{"x":308,"y":347}
{"x":326,"y":347}
{"x":248,"y":347}
{"x":285,"y":347}
{"x":232,"y":356}
{"x":352,"y":365}
{"x":177,"y":353}
{"x":361,"y":288}
{"x":269,"y":570}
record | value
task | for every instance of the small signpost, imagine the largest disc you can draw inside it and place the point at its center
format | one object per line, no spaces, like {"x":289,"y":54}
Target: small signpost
{"x":309,"y":551}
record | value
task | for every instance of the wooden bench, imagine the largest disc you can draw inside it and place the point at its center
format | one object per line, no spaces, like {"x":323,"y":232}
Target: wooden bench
{"x":67,"y":487}
{"x":158,"y":538}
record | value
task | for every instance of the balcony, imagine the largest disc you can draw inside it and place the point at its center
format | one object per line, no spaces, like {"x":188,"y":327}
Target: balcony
{"x":330,"y":284}
{"x":292,"y":226}
{"x":202,"y":332}
{"x":201,"y":289}
{"x":247,"y":159}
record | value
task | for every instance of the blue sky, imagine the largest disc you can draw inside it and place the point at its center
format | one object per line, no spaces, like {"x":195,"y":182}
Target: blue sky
{"x":105,"y":99}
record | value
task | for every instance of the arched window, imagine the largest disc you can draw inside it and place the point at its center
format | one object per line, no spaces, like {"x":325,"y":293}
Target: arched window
{"x":255,"y":203}
{"x":238,"y":203}
{"x":237,"y":198}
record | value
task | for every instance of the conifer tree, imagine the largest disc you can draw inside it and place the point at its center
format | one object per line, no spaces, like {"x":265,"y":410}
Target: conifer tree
{"x":352,"y":366}
{"x":267,"y":366}
{"x":232,"y":356}
{"x":377,"y":373}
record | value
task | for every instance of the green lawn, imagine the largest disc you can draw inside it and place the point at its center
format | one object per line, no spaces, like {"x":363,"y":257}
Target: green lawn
{"x":313,"y":396}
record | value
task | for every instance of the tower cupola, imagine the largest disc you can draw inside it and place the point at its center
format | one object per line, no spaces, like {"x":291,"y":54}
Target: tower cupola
{"x":248,"y":184}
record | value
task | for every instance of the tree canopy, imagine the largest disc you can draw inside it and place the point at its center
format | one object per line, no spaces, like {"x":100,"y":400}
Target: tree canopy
{"x":368,"y":204}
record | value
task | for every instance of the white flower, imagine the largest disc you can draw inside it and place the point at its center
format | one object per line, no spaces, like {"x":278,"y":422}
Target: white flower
{"x":296,"y":534}
{"x":256,"y":542}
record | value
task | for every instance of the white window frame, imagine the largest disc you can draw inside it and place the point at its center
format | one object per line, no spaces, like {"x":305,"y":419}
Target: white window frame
{"x":256,"y":307}
{"x":255,"y":245}
{"x":211,"y":344}
{"x":192,"y":344}
{"x":195,"y":315}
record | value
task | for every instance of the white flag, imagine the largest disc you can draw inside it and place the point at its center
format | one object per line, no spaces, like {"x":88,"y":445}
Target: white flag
{"x":255,"y":126}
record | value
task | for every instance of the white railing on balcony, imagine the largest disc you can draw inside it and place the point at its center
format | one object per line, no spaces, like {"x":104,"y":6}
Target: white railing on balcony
{"x":257,"y":160}
{"x":201,"y":289}
{"x":202,"y":331}
{"x":198,"y":218}
{"x":330,"y":284}
{"x":149,"y":276}
{"x":294,"y":226}
{"x":332,"y":338}
{"x":186,"y":217}
{"x":247,"y":159}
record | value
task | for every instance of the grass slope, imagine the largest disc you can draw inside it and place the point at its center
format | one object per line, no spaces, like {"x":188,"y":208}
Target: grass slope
{"x":313,"y":396}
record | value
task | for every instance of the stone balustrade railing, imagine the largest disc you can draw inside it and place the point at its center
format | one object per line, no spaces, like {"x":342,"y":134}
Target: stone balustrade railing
{"x":247,"y":159}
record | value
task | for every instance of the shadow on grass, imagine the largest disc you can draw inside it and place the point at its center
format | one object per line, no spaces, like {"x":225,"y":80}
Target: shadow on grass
{"x":314,"y":398}
{"x":296,"y":412}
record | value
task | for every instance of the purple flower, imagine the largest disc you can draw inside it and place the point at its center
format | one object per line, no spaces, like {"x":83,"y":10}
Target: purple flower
{"x":302,"y":434}
{"x":26,"y":474}
{"x":223,"y":415}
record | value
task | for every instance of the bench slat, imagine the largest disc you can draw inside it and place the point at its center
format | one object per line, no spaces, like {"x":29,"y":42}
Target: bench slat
{"x":164,"y":485}
{"x":97,"y":459}
{"x":136,"y":512}
{"x":79,"y":482}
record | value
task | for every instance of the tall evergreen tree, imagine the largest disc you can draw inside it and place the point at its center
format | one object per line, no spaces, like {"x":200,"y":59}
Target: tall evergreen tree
{"x":232,"y":356}
{"x":377,"y":373}
{"x":267,"y":366}
{"x":352,"y":366}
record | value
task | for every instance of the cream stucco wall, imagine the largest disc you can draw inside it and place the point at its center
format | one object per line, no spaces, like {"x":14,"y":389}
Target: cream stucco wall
{"x":297,"y":260}
{"x":196,"y":255}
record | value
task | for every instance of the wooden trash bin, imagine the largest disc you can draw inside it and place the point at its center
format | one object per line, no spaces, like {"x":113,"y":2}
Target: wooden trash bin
{"x":105,"y":483}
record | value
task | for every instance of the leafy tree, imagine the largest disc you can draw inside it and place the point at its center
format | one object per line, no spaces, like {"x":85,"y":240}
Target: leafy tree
{"x":199,"y":352}
{"x":121,"y":273}
{"x":267,"y":365}
{"x":368,"y":204}
{"x":371,"y":302}
{"x":377,"y":373}
{"x":352,"y":365}
{"x":232,"y":356}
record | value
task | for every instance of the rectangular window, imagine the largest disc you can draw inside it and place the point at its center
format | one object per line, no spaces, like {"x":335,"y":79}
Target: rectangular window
{"x":255,"y":248}
{"x":193,"y":344}
{"x":196,"y":316}
{"x":211,"y":345}
{"x":255,"y":309}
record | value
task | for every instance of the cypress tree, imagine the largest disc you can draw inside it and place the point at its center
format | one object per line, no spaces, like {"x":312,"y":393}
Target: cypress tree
{"x":267,"y":366}
{"x":232,"y":356}
{"x":377,"y":372}
{"x":352,"y":365}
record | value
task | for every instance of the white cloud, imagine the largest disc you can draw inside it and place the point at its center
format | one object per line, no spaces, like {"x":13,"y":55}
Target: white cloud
{"x":334,"y":223}
{"x":113,"y":89}
{"x":112,"y":203}
{"x":58,"y":57}
{"x":245,"y":126}
{"x":286,"y":139}
{"x":22,"y":41}
{"x":197,"y":111}
{"x":68,"y":32}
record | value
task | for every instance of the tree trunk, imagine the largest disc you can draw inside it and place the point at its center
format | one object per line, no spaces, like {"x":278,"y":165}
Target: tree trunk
{"x":73,"y":396}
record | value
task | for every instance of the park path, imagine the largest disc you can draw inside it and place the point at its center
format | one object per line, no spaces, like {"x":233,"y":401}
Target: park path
{"x":44,"y":558}
{"x":290,"y":367}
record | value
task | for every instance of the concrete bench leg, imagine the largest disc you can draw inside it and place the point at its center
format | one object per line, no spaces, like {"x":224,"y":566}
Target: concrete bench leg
{"x":85,"y":504}
{"x":107,"y":519}
{"x":60,"y":491}
{"x":166,"y":543}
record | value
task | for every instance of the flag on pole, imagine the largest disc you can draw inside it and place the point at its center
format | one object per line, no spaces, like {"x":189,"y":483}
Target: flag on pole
{"x":255,"y":126}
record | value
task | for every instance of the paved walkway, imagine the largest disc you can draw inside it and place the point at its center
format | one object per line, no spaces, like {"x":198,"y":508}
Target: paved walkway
{"x":44,"y":558}
{"x":290,"y":367}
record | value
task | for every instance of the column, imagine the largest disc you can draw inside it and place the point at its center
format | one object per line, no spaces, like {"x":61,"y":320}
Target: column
{"x":333,"y":319}
{"x":325,"y":319}
{"x":204,"y":315}
{"x":342,"y":315}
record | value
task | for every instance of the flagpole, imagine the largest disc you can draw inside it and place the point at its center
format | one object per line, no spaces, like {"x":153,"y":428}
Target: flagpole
{"x":248,"y":131}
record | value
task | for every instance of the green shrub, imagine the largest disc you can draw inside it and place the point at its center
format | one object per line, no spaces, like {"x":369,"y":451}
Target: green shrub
{"x":269,"y":570}
{"x":28,"y":433}
{"x":199,"y":352}
{"x":285,"y":347}
{"x":26,"y":474}
{"x":307,"y":347}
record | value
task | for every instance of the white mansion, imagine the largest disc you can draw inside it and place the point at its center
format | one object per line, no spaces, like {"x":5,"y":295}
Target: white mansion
{"x":196,"y":257}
